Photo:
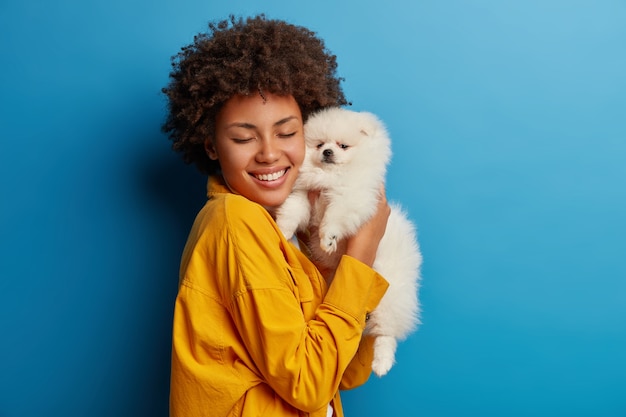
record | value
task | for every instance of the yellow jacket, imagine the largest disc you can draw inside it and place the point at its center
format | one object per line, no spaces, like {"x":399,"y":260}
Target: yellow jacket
{"x":257,"y":332}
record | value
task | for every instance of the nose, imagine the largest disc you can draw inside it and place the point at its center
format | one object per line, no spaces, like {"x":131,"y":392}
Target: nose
{"x":269,"y":151}
{"x":328,"y":152}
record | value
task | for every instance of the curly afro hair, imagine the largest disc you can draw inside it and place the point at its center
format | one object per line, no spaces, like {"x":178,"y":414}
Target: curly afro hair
{"x":243,"y":57}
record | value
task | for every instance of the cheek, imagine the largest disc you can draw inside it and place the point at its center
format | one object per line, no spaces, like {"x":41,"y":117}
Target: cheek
{"x":230,"y":159}
{"x":297,"y":152}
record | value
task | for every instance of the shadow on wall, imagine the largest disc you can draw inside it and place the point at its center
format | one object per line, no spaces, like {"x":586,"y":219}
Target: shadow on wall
{"x":177,"y":189}
{"x":172,"y":193}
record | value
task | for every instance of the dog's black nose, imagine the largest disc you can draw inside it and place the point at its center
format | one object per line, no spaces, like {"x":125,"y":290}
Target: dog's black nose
{"x":328,"y":152}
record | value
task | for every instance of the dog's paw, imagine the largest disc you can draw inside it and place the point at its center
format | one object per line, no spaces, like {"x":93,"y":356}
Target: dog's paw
{"x":384,"y":355}
{"x":328,"y":243}
{"x":381,"y":366}
{"x":288,"y":231}
{"x":287,"y":228}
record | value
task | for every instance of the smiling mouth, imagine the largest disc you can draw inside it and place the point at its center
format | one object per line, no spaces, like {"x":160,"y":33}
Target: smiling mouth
{"x":270,"y":177}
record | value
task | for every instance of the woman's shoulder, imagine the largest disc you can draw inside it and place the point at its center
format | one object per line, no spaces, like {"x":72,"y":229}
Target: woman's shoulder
{"x":233,"y":218}
{"x":225,"y":204}
{"x":230,"y":217}
{"x":235,"y":208}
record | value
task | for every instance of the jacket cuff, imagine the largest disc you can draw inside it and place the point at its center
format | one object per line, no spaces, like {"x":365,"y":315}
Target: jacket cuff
{"x":356,"y":288}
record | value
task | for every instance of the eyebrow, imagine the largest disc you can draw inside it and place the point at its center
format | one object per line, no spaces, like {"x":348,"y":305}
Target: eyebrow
{"x":246,"y":125}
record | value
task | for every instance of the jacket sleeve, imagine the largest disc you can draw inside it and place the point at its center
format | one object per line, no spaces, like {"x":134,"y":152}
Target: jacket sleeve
{"x":360,"y":369}
{"x":302,"y":360}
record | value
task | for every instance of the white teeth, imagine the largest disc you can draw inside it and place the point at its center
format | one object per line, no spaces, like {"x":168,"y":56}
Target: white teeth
{"x":270,"y":177}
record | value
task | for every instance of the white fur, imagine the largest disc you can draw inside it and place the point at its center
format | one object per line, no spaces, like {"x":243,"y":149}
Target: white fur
{"x":349,"y":182}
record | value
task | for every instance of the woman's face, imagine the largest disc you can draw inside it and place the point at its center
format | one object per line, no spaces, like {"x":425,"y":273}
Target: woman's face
{"x":259,"y":144}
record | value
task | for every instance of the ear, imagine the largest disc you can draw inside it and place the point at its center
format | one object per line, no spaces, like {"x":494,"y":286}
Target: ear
{"x":369,"y":123}
{"x":209,"y":147}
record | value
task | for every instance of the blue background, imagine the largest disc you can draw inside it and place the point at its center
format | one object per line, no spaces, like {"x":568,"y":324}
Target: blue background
{"x":509,"y":134}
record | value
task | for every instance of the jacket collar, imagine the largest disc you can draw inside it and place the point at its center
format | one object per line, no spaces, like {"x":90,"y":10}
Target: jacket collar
{"x":217,"y":185}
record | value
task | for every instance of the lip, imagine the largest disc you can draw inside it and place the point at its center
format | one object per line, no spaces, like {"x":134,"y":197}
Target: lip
{"x":264,"y":178}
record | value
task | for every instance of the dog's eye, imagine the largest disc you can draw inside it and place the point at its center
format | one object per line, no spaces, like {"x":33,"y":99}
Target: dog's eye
{"x":319,"y":145}
{"x":343,"y":146}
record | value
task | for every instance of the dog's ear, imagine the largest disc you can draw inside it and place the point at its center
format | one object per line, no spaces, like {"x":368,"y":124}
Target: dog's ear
{"x":368,"y":123}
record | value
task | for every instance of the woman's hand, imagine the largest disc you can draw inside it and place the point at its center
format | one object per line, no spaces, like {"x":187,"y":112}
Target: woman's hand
{"x":364,"y":244}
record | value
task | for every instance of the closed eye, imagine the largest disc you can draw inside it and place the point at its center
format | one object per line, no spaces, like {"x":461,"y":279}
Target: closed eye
{"x":286,"y":135}
{"x":241,"y":140}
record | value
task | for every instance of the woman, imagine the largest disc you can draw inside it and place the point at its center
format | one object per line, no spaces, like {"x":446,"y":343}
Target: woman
{"x":257,"y":331}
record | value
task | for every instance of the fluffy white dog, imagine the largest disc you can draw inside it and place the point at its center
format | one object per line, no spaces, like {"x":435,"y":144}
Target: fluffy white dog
{"x":347,"y":154}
